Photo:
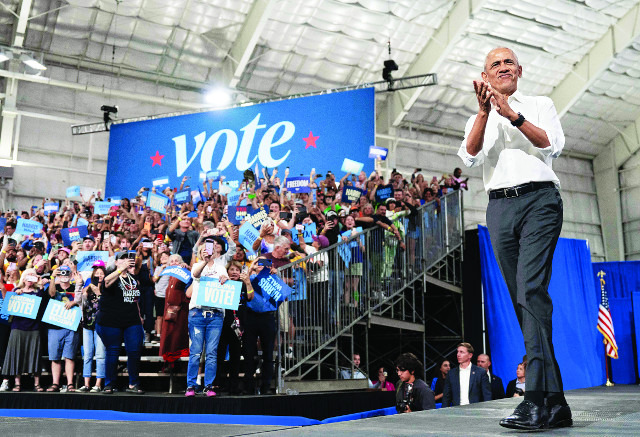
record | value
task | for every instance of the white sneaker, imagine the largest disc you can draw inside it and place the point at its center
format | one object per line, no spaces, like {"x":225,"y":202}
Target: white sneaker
{"x":95,"y":389}
{"x":64,"y":389}
{"x":5,"y":385}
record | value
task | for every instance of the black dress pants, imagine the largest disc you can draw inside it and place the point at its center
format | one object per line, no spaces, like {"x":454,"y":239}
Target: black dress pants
{"x":524,"y":231}
{"x":261,"y":325}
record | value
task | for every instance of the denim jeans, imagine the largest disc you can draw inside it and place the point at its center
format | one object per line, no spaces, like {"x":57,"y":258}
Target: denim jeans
{"x":93,"y":346}
{"x":204,"y":330}
{"x":112,"y":338}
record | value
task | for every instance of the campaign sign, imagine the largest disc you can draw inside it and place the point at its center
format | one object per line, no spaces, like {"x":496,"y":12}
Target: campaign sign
{"x":378,"y":152}
{"x":298,"y":185}
{"x":102,"y":208}
{"x":23,"y":305}
{"x":349,"y":234}
{"x":157,"y":202}
{"x":270,"y":292}
{"x":115,"y":200}
{"x":286,"y":133}
{"x":73,"y":191}
{"x":182,"y":197}
{"x":3,"y":222}
{"x":236,"y":214}
{"x":178,"y":272}
{"x":86,"y":259}
{"x":212,"y":175}
{"x":384,"y":192}
{"x":69,"y":235}
{"x":28,"y":227}
{"x":247,"y":235}
{"x":56,"y":314}
{"x":160,"y":182}
{"x":79,"y":221}
{"x":257,"y":216}
{"x":51,"y":207}
{"x":192,"y":214}
{"x":351,"y":166}
{"x":233,"y":197}
{"x":308,"y":233}
{"x":211,"y":293}
{"x":351,"y":194}
{"x":344,"y":250}
{"x":196,"y":196}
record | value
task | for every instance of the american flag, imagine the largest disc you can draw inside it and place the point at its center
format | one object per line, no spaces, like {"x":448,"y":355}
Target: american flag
{"x":605,"y":324}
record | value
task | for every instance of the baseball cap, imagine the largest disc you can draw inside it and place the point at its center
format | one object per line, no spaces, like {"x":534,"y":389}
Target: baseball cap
{"x":331,"y":214}
{"x":89,"y":237}
{"x":98,"y":263}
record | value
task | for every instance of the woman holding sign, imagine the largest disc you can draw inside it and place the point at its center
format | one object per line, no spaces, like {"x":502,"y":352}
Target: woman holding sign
{"x":23,"y":350}
{"x":119,"y":317}
{"x":205,"y":323}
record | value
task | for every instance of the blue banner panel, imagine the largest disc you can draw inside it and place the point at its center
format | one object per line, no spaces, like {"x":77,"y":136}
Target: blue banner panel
{"x":178,"y":272}
{"x":28,"y":227}
{"x":289,"y":133}
{"x":23,"y":305}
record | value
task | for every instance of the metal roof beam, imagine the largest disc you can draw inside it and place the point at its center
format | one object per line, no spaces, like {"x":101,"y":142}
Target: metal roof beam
{"x":429,"y":60}
{"x":21,"y":25}
{"x":584,"y":73}
{"x":240,"y":53}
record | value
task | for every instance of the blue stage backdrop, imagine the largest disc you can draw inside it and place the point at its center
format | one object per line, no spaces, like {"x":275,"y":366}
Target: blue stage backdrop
{"x":304,"y":133}
{"x":577,"y":342}
{"x":622,"y":279}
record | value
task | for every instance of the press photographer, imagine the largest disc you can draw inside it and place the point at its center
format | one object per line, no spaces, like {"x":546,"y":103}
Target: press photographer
{"x":412,"y":394}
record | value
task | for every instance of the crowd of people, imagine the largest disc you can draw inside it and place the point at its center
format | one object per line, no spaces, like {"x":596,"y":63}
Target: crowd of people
{"x":127,"y":299}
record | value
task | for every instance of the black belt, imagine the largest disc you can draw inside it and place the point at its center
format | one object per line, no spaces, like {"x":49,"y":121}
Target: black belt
{"x":519,"y":190}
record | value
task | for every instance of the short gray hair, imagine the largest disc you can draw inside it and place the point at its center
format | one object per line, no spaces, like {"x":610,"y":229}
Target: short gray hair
{"x":280,"y":241}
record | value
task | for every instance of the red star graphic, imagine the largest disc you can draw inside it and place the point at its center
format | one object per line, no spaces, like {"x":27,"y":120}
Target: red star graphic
{"x":310,"y":140}
{"x":157,"y":159}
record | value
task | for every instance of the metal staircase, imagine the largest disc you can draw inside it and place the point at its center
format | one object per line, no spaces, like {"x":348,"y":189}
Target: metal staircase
{"x":365,"y":281}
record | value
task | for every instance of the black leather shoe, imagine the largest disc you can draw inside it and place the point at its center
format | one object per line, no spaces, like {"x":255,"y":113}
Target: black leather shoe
{"x":559,"y":416}
{"x":527,"y":416}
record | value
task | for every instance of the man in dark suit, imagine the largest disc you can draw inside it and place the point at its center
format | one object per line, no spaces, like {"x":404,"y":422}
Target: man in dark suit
{"x":497,"y":389}
{"x":467,"y":383}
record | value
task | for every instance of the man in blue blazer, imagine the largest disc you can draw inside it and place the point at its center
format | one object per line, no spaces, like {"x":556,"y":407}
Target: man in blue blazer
{"x":467,"y":383}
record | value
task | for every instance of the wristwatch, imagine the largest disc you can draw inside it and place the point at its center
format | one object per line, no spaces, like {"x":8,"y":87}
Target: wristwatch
{"x":518,"y":121}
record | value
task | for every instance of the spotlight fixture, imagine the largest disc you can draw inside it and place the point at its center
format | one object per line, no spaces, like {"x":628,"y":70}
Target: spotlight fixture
{"x":106,"y":115}
{"x":389,"y":66}
{"x":31,"y":63}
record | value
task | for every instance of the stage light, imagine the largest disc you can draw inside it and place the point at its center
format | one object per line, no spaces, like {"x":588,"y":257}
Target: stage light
{"x":218,"y":97}
{"x":5,"y":55}
{"x":389,"y":66}
{"x":31,"y":63}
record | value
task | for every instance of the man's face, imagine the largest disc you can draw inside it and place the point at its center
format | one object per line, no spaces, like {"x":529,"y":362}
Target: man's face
{"x":464,"y":356}
{"x":356,"y":360}
{"x":483,"y":361}
{"x":9,"y":230}
{"x":281,"y":251}
{"x":362,"y":177}
{"x":382,"y":210}
{"x":87,"y":244}
{"x":124,"y":243}
{"x":404,"y":375}
{"x":274,"y":207}
{"x":502,"y":71}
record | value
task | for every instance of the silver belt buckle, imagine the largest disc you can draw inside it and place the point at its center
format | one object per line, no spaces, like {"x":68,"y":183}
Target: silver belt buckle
{"x":506,"y":192}
{"x":207,"y":313}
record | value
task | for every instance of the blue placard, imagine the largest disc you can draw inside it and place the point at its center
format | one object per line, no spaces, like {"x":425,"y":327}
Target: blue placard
{"x":286,"y":133}
{"x":211,"y":293}
{"x":233,"y":196}
{"x":23,"y":305}
{"x":115,"y":200}
{"x":87,"y":258}
{"x":308,"y":233}
{"x":196,"y":196}
{"x":236,"y":214}
{"x":80,"y":221}
{"x":384,"y":192}
{"x":178,"y":272}
{"x":4,"y":318}
{"x":212,"y":175}
{"x":192,"y":214}
{"x":157,"y":202}
{"x":378,"y":152}
{"x":51,"y":207}
{"x":298,"y":185}
{"x":182,"y":197}
{"x":3,"y":222}
{"x":351,"y":166}
{"x":257,"y":216}
{"x":354,"y":242}
{"x":102,"y":208}
{"x":28,"y":227}
{"x":270,"y":292}
{"x":247,"y":235}
{"x":73,"y":191}
{"x":344,"y":250}
{"x":351,"y":194}
{"x":56,"y":314}
{"x":160,"y":182}
{"x":69,"y":235}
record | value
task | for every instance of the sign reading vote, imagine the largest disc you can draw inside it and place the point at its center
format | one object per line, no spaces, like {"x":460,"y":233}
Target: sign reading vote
{"x":28,"y":227}
{"x":211,"y":293}
{"x":157,"y":202}
{"x":270,"y":292}
{"x":56,"y":314}
{"x":351,"y":194}
{"x":298,"y":185}
{"x":69,"y":235}
{"x":23,"y":305}
{"x":287,"y":133}
{"x":87,"y":258}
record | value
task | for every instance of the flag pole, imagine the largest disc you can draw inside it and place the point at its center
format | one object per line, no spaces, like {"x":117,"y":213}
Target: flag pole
{"x":607,"y":363}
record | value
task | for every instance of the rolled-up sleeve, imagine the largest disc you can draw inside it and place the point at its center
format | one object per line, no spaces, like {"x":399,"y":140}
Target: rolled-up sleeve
{"x":468,"y":159}
{"x":550,"y":123}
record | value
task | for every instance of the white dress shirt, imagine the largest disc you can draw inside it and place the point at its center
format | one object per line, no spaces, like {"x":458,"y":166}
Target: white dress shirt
{"x":465,"y":376}
{"x":509,"y":158}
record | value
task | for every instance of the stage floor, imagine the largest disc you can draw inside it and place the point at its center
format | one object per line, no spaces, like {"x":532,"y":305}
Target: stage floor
{"x":597,"y":411}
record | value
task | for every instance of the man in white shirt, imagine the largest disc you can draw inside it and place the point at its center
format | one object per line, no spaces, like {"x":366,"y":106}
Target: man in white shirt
{"x":357,"y":373}
{"x":516,"y":137}
{"x":467,"y":383}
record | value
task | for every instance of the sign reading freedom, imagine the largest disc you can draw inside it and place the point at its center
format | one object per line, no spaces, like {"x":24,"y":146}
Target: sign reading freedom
{"x":289,"y":133}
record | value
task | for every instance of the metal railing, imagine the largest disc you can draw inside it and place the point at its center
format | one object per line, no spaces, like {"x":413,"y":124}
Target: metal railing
{"x":364,"y":275}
